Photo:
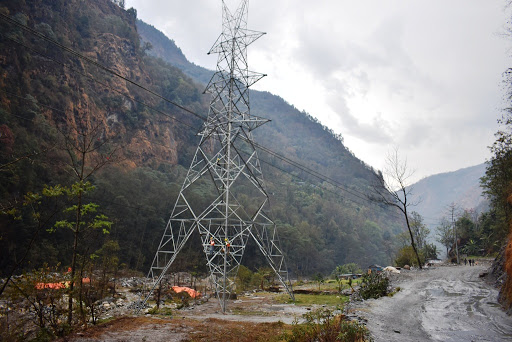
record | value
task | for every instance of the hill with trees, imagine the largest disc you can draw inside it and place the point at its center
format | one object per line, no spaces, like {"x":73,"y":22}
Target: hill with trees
{"x":97,"y":134}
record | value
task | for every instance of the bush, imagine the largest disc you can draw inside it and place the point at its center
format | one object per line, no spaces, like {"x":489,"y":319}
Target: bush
{"x":348,"y":268}
{"x":324,"y":325}
{"x":183,"y":299}
{"x":244,"y":278}
{"x":373,"y":285}
{"x":406,"y":256}
{"x":160,"y":311}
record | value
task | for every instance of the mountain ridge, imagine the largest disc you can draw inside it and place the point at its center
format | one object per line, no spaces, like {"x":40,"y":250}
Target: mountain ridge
{"x":436,"y":192}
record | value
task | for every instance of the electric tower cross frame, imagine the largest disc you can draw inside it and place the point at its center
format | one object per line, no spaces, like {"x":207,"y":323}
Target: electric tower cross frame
{"x":226,"y":164}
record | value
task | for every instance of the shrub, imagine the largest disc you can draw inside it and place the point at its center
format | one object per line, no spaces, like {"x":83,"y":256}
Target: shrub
{"x":324,"y":325}
{"x":244,"y":278}
{"x":373,"y":285}
{"x":160,"y":311}
{"x":183,"y":299}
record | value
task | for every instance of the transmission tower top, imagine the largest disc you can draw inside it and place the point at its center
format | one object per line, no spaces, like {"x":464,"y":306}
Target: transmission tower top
{"x":232,"y":78}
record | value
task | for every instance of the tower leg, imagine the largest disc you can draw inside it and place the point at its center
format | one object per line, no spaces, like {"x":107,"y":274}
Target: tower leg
{"x":276,"y":260}
{"x":162,"y":262}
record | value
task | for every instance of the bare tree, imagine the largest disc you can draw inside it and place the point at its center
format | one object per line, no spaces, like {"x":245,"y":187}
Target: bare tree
{"x":393,"y":189}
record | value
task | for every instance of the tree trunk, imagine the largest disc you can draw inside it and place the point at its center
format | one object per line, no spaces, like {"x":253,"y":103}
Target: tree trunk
{"x":412,"y":240}
{"x":158,"y":296}
{"x":72,"y":282}
{"x":73,"y":260}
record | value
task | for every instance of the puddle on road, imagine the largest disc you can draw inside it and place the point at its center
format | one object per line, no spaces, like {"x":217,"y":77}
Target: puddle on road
{"x":441,"y":292}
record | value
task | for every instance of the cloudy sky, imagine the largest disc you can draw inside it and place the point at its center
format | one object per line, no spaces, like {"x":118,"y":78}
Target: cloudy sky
{"x":423,"y":76}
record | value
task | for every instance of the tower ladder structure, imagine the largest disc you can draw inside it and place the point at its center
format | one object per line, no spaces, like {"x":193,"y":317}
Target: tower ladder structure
{"x":226,"y":162}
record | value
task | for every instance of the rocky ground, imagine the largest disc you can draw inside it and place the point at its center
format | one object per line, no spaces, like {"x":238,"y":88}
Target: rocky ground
{"x":253,"y":306}
{"x":251,"y":314}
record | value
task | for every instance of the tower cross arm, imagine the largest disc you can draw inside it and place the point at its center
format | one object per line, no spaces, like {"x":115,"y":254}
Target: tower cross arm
{"x":224,"y":41}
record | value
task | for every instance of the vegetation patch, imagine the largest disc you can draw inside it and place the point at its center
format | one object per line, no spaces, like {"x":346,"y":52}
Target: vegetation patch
{"x":165,"y":311}
{"x":244,"y":312}
{"x":312,"y":299}
{"x":373,"y":285}
{"x":325,"y":325}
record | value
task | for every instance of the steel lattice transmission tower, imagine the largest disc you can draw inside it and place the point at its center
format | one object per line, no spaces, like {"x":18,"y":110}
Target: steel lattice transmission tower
{"x":226,"y":162}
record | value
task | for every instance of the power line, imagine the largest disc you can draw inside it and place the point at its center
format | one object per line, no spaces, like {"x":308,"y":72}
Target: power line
{"x":93,"y":62}
{"x":313,"y":173}
{"x":163,"y":145}
{"x":303,"y":168}
{"x":99,"y":82}
{"x":309,"y":171}
{"x":140,"y":207}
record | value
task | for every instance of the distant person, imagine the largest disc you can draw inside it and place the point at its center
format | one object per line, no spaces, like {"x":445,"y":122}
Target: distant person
{"x":465,"y":262}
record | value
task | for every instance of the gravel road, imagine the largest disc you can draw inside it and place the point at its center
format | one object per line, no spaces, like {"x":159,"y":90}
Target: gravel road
{"x":448,"y":303}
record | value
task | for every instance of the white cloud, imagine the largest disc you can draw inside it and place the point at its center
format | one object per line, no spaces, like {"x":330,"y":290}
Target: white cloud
{"x":421,"y":75}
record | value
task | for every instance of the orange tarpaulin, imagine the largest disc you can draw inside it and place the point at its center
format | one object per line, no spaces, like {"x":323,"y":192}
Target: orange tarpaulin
{"x":57,"y":286}
{"x":54,"y":286}
{"x":193,"y":293}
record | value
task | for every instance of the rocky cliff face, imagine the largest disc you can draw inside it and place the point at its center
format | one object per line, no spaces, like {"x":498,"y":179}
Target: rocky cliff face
{"x":502,"y":270}
{"x":76,"y":95}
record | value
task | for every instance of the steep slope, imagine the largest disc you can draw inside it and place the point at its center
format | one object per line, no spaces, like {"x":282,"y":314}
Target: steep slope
{"x":462,"y":187}
{"x":49,"y":97}
{"x":52,"y":101}
{"x":166,"y":49}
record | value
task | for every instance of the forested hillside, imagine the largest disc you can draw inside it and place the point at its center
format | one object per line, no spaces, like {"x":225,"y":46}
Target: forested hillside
{"x":97,"y":135}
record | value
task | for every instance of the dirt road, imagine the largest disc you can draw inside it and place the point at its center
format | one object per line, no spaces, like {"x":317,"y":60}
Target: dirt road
{"x":449,"y":303}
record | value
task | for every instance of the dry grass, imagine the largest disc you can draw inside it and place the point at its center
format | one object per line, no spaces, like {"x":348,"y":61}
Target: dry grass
{"x":201,"y":323}
{"x":226,"y":331}
{"x":120,"y":324}
{"x":211,"y":329}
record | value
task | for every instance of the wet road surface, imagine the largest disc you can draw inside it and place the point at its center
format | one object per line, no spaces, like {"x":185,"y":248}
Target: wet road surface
{"x":449,"y":303}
